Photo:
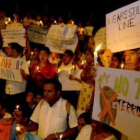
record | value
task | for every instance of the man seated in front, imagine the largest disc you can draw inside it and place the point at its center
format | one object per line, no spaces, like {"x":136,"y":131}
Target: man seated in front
{"x":53,"y":115}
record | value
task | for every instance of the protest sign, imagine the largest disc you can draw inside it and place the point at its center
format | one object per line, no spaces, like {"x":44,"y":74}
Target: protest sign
{"x":61,"y":38}
{"x":14,"y":35}
{"x":68,"y":84}
{"x":10,"y":68}
{"x":37,"y":34}
{"x":122,"y":28}
{"x":116,"y":100}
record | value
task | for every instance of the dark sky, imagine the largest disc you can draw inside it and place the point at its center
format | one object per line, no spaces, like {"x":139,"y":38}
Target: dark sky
{"x":79,"y":10}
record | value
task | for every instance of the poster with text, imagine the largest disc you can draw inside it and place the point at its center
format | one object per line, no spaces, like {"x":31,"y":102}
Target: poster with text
{"x":10,"y":68}
{"x":37,"y":34}
{"x":117,"y":100}
{"x":122,"y":28}
{"x":67,"y":84}
{"x":14,"y":35}
{"x":61,"y":38}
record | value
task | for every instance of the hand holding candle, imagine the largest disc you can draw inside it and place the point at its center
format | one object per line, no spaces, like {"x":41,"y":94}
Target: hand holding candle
{"x":96,"y":54}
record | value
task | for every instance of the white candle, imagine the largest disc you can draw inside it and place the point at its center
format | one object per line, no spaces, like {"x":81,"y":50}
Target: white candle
{"x":122,"y":65}
{"x":61,"y":137}
{"x":32,"y":53}
{"x":95,"y":58}
{"x":58,"y":70}
{"x":17,"y":107}
{"x":37,"y":68}
{"x":96,"y":54}
{"x":18,"y":128}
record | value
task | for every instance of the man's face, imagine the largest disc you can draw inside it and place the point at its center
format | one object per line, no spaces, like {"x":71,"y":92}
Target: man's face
{"x":8,"y":51}
{"x":50,"y":94}
{"x":131,"y":59}
{"x":18,"y":117}
{"x":66,"y":59}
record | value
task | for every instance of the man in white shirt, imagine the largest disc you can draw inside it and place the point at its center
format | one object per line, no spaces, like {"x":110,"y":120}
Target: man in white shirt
{"x":53,"y":115}
{"x":15,"y":91}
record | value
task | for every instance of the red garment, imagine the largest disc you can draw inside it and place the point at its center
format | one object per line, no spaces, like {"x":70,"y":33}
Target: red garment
{"x":48,"y":71}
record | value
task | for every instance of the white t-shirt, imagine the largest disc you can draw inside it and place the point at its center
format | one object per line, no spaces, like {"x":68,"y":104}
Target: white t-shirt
{"x":13,"y":87}
{"x":53,"y":119}
{"x":66,"y":67}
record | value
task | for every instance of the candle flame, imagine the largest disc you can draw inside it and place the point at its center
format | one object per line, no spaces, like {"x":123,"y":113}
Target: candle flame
{"x":98,"y":47}
{"x":61,"y":136}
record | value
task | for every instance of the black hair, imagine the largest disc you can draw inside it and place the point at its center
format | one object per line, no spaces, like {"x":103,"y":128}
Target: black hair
{"x":118,"y":56}
{"x":69,"y":52}
{"x":55,"y":82}
{"x":16,"y":46}
{"x":25,"y":110}
{"x":46,"y":49}
{"x":86,"y":116}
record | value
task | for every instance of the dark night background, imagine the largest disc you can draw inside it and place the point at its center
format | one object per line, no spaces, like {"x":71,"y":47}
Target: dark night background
{"x":77,"y":10}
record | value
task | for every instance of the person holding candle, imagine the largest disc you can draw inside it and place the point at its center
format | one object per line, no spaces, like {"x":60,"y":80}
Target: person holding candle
{"x":53,"y":115}
{"x":21,"y":118}
{"x":86,"y":95}
{"x":43,"y":69}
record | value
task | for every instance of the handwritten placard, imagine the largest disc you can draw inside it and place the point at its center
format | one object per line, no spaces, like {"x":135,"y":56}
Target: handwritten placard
{"x":37,"y":34}
{"x":122,"y":27}
{"x":67,"y":84}
{"x":10,"y":68}
{"x":61,"y":38}
{"x":14,"y":35}
{"x":100,"y":38}
{"x":117,"y":100}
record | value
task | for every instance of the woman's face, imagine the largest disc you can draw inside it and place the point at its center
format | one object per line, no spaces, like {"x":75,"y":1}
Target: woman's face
{"x":115,"y":63}
{"x":43,"y":56}
{"x":131,"y":59}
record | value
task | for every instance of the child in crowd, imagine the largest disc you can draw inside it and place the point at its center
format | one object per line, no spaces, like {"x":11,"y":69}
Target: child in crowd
{"x":21,"y":118}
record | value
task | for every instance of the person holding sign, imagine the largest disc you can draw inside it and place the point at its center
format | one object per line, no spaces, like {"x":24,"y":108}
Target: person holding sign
{"x":15,"y":91}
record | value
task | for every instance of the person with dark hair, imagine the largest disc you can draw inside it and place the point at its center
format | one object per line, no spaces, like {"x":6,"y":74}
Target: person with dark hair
{"x":116,"y":60}
{"x":86,"y":96}
{"x":15,"y":91}
{"x":131,"y":59}
{"x":21,"y":117}
{"x":96,"y":131}
{"x":43,"y":69}
{"x":66,"y":63}
{"x":3,"y":111}
{"x":53,"y":115}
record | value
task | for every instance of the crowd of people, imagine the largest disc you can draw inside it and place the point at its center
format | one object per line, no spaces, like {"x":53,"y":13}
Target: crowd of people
{"x":38,"y":107}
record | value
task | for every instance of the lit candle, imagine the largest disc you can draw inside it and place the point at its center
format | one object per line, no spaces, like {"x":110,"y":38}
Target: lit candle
{"x":96,"y":54}
{"x":18,"y":128}
{"x":40,"y":23}
{"x":61,"y":137}
{"x":32,"y":53}
{"x":122,"y":65}
{"x":37,"y":68}
{"x":72,"y":22}
{"x":58,"y":70}
{"x":29,"y":62}
{"x":55,"y":22}
{"x":17,"y":107}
